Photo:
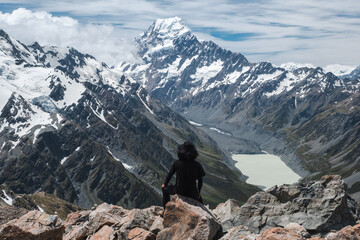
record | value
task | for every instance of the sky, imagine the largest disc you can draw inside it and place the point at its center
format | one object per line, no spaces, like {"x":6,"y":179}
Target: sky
{"x":303,"y":31}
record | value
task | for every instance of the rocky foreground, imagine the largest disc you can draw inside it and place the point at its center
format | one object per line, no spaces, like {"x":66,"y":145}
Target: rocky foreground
{"x":318,"y":210}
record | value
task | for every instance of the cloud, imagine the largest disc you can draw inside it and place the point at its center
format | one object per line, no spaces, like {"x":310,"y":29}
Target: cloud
{"x":104,"y":41}
{"x":317,"y":31}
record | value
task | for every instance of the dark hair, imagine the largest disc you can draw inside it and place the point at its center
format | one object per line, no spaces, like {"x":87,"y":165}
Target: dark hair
{"x":187,"y":151}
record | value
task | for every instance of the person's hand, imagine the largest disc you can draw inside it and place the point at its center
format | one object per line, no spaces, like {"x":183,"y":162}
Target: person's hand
{"x":162,"y":186}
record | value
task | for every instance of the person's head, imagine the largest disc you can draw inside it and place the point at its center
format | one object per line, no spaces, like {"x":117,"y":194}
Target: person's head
{"x":187,"y":151}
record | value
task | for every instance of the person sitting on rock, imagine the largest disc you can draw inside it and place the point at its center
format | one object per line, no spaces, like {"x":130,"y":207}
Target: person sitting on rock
{"x":188,"y":170}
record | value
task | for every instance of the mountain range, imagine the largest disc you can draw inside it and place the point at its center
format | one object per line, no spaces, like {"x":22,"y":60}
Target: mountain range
{"x":73,"y":127}
{"x":306,"y":115}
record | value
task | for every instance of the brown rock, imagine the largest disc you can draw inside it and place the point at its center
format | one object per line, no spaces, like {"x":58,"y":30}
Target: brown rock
{"x":105,"y":233}
{"x":34,"y":225}
{"x":279,"y":234}
{"x":300,"y":230}
{"x":139,"y":218}
{"x":186,"y":218}
{"x":157,"y":225}
{"x":80,"y":225}
{"x":76,"y":218}
{"x":347,"y":233}
{"x":239,"y":232}
{"x":141,"y":234}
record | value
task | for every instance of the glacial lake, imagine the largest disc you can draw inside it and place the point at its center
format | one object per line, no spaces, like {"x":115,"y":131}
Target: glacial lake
{"x":265,"y":170}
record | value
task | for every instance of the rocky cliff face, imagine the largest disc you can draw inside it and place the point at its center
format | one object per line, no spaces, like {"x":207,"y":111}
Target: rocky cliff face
{"x":73,"y":127}
{"x":306,"y":115}
{"x":320,"y":210}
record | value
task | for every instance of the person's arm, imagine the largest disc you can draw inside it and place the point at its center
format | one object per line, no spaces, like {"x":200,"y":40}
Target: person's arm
{"x":200,"y":183}
{"x":170,"y":174}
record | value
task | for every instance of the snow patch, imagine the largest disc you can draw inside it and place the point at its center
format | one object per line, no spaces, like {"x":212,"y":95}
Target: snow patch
{"x":7,"y":199}
{"x":126,"y":166}
{"x":187,"y":63}
{"x":146,"y":106}
{"x":36,"y":133}
{"x":40,"y":209}
{"x":167,"y":44}
{"x":195,"y":124}
{"x":63,"y":160}
{"x":205,"y":73}
{"x":232,"y":77}
{"x":101,"y":116}
{"x":286,"y":84}
{"x":219,"y":131}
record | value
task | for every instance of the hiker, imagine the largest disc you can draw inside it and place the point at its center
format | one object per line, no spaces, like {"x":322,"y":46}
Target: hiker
{"x":188,"y":170}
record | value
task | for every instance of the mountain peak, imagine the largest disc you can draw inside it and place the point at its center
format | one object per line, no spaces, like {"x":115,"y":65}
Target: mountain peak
{"x":168,"y":28}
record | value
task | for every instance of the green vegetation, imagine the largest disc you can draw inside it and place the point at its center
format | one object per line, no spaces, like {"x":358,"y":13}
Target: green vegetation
{"x":47,"y":202}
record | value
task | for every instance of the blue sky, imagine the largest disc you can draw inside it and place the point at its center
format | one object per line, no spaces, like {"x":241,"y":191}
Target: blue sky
{"x":307,"y":31}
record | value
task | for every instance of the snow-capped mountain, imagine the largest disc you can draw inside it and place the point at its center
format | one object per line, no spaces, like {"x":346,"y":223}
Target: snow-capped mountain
{"x":178,"y":66}
{"x":73,"y":127}
{"x":301,"y":113}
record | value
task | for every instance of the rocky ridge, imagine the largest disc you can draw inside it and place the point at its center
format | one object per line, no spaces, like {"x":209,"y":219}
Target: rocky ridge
{"x":319,"y":210}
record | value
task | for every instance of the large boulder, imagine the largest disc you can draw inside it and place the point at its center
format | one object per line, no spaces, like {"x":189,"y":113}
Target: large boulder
{"x":319,"y":207}
{"x":34,"y":225}
{"x":186,"y":218}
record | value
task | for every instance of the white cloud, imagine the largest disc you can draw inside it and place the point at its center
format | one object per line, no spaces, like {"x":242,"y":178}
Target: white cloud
{"x":103,"y":41}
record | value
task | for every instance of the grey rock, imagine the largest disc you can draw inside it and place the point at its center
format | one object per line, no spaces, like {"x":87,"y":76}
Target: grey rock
{"x":319,"y":207}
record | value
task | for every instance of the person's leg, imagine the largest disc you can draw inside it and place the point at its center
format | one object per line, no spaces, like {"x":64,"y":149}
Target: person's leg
{"x":167,"y":191}
{"x":200,"y":199}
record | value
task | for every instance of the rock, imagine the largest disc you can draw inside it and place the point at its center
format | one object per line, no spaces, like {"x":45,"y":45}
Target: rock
{"x":33,"y":225}
{"x":346,"y":233}
{"x":239,"y":232}
{"x":80,"y":225}
{"x":157,"y":225}
{"x":279,"y":234}
{"x":105,"y":233}
{"x":227,"y":213}
{"x":186,"y":218}
{"x":300,"y":230}
{"x":141,"y":234}
{"x":319,"y":207}
{"x":142,"y":218}
{"x":139,"y":218}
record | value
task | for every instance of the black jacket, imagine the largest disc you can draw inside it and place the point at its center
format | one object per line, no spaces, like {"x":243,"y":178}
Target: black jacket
{"x":187,"y":172}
